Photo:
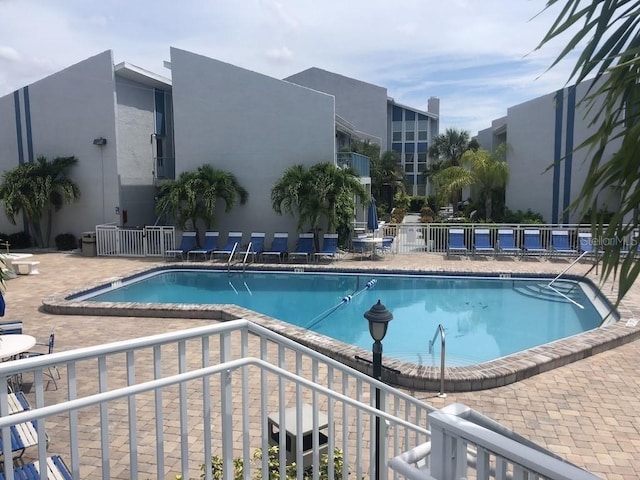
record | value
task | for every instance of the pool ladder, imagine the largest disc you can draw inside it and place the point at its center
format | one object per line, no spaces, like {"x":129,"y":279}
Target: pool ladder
{"x":244,"y":259}
{"x":550,"y":284}
{"x":440,"y":330}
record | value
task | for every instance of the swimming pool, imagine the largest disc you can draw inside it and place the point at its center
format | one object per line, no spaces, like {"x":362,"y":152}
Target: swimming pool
{"x":484,"y":318}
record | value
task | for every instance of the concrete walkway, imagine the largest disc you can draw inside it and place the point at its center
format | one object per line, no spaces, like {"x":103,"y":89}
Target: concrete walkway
{"x":586,"y":411}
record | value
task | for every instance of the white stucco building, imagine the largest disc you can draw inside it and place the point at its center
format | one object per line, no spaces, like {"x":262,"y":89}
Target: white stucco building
{"x":132,"y":129}
{"x":545,"y":171}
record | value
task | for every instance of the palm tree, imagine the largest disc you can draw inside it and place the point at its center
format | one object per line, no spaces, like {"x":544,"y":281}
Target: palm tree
{"x":486,"y":171}
{"x":38,"y":190}
{"x":193,"y":196}
{"x":387,"y":177}
{"x":608,"y":36}
{"x":450,"y":146}
{"x":317,"y":193}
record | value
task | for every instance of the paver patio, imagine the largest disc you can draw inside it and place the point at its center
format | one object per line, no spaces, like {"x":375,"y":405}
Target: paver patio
{"x":585,"y":411}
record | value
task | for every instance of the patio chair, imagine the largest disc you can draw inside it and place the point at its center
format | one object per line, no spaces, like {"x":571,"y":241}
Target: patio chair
{"x":586,"y":245}
{"x":358,"y":246}
{"x":13,"y":327}
{"x":482,"y":242}
{"x":560,"y":243}
{"x":187,"y":243}
{"x":209,"y":245}
{"x":456,"y":242}
{"x":52,"y":371}
{"x":56,"y":469}
{"x":329,"y":247}
{"x":532,"y":243}
{"x":234,"y":240}
{"x":257,"y":245}
{"x":304,"y":247}
{"x":279,"y":247}
{"x":387,"y":245}
{"x":507,"y":242}
{"x":18,"y":402}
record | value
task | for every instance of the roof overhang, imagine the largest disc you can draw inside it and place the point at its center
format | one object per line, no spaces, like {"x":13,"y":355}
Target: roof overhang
{"x":140,"y":75}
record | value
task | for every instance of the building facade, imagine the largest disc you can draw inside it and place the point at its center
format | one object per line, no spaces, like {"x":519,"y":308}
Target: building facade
{"x":546,"y":170}
{"x":132,"y":129}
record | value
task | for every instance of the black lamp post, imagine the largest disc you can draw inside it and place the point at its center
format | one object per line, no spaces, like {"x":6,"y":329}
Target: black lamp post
{"x":379,"y":318}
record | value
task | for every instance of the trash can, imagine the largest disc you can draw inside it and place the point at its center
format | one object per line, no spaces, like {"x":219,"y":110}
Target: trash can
{"x":88,"y":240}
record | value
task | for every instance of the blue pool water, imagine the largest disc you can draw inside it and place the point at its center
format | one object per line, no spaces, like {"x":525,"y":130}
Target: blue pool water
{"x":484,"y":318}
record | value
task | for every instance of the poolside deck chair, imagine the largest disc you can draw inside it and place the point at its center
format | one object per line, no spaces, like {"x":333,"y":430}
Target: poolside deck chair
{"x":482,"y":242}
{"x":187,"y":243}
{"x":560,"y":243}
{"x":11,"y":327}
{"x":52,"y":371}
{"x":329,"y":247}
{"x":358,"y":246}
{"x":23,"y":436}
{"x":279,"y":247}
{"x":532,"y":243}
{"x":209,"y":245}
{"x":56,"y":470}
{"x":387,"y":245}
{"x":234,"y":240}
{"x":256,"y":245}
{"x":507,"y":242}
{"x":586,"y":244}
{"x":18,"y":402}
{"x":456,"y":242}
{"x":304,"y":247}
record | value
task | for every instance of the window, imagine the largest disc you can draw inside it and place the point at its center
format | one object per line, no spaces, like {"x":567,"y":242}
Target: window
{"x":396,"y":147}
{"x":408,"y":168}
{"x":410,"y":136}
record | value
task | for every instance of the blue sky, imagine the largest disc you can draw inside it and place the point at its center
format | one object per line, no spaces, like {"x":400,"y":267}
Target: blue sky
{"x":477,"y":56}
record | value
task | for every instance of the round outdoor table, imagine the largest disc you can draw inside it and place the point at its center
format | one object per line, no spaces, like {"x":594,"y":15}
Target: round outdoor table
{"x":373,"y":243}
{"x":12,"y":345}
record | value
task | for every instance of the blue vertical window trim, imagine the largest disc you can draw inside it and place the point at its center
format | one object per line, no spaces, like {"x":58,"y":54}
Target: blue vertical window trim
{"x":557,"y":153}
{"x":27,"y":119}
{"x":16,"y":104}
{"x":160,"y":113}
{"x":568,"y":158}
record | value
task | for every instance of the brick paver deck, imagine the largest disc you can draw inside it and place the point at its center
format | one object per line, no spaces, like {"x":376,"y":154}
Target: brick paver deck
{"x":584,"y":411}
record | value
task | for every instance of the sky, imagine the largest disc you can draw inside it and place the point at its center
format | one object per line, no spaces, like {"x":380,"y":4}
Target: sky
{"x":478,"y":57}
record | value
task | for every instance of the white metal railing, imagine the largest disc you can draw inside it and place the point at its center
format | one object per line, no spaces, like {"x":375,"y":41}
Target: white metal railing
{"x":164,"y":405}
{"x":174,"y":400}
{"x":150,"y":241}
{"x":434,"y":237}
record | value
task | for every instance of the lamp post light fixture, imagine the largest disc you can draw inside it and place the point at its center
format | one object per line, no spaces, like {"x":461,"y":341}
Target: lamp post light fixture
{"x":379,"y":318}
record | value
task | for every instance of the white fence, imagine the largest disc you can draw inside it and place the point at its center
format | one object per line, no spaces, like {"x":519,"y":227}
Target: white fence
{"x":160,"y":406}
{"x":115,"y":241}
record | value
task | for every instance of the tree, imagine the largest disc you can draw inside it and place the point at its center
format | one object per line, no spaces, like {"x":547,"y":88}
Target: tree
{"x":320,"y":192}
{"x":38,"y":190}
{"x":610,"y":35}
{"x":387,"y":178}
{"x":447,"y":150}
{"x":487,"y":171}
{"x":450,"y":146}
{"x":192,"y":197}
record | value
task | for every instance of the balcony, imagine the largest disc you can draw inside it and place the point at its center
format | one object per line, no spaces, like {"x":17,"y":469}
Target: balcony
{"x":359,"y":162}
{"x":162,"y":406}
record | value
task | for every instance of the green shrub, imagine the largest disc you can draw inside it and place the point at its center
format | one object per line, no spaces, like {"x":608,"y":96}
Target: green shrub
{"x":416,"y":204}
{"x":522,"y":217}
{"x":66,"y":242}
{"x":291,"y":470}
{"x":19,"y":240}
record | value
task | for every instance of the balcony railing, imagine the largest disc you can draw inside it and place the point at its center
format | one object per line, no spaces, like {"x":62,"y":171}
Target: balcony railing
{"x":360,"y":163}
{"x":165,"y":168}
{"x":164,"y":405}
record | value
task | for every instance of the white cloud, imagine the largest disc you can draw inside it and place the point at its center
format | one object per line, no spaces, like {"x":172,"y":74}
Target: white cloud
{"x":478,"y":57}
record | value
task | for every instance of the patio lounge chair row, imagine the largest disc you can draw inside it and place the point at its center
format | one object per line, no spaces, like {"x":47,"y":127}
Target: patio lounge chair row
{"x":505,"y":243}
{"x":255,"y":249}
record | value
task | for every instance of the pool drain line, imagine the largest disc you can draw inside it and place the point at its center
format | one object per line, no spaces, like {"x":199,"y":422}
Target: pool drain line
{"x":347,"y":299}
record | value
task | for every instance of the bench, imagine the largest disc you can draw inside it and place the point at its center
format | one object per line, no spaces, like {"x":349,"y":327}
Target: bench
{"x":26,"y":267}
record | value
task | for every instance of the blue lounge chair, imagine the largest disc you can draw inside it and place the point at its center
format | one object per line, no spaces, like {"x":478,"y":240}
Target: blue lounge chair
{"x":329,"y":247}
{"x":532,"y":243}
{"x":209,"y":245}
{"x":387,"y":245}
{"x":560,"y":243}
{"x":56,"y":469}
{"x":507,"y":242}
{"x":586,"y":244}
{"x":256,"y":246}
{"x":187,"y":243}
{"x":279,"y":247}
{"x":482,"y":241}
{"x":456,"y":242}
{"x":234,"y":240}
{"x":304,"y":247}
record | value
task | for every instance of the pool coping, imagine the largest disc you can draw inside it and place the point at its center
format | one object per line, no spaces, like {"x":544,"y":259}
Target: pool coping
{"x":495,"y":373}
